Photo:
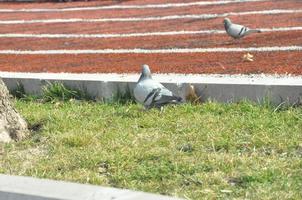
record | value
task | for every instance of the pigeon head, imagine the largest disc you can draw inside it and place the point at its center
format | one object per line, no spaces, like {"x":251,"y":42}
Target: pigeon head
{"x":227,"y":23}
{"x":146,"y":73}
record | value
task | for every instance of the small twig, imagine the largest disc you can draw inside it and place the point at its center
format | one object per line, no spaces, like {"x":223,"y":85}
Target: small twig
{"x":192,"y":180}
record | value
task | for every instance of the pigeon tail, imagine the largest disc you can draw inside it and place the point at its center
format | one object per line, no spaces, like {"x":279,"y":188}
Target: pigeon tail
{"x":252,"y":31}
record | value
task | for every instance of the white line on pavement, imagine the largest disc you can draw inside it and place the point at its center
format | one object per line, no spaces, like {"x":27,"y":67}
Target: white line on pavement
{"x":152,"y":51}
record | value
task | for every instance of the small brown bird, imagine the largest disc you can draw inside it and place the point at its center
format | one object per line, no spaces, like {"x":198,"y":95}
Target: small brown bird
{"x":192,"y":96}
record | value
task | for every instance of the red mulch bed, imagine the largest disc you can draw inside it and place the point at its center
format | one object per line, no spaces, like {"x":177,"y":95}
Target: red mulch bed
{"x":223,"y":63}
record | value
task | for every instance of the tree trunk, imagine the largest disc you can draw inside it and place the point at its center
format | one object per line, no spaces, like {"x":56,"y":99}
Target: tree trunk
{"x":12,"y":125}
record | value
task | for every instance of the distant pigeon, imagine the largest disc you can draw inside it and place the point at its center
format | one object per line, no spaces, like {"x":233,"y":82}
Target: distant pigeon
{"x":237,"y":31}
{"x":151,"y":93}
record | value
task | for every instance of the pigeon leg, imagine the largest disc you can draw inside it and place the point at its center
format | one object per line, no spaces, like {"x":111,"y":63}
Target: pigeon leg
{"x":161,"y":110}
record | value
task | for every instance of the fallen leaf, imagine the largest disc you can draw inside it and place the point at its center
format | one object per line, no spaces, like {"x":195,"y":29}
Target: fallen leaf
{"x":248,"y":57}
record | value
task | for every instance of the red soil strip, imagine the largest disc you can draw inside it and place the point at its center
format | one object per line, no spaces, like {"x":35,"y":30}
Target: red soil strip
{"x":92,"y":14}
{"x":224,"y":63}
{"x":253,"y":21}
{"x":290,"y":38}
{"x":37,"y":5}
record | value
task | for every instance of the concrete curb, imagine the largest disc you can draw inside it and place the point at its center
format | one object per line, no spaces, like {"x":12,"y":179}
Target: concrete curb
{"x":222,"y":88}
{"x":27,"y":188}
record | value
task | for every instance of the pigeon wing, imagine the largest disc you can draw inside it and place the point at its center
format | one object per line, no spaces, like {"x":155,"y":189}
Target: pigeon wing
{"x":237,"y":31}
{"x":164,"y":100}
{"x":145,"y":91}
{"x":151,"y":93}
{"x":164,"y":97}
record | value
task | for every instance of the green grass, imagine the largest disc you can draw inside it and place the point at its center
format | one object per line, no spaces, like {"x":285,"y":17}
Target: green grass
{"x":58,"y":91}
{"x":208,"y":151}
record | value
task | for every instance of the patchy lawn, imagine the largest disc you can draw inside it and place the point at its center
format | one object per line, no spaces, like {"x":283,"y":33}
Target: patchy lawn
{"x":206,"y":151}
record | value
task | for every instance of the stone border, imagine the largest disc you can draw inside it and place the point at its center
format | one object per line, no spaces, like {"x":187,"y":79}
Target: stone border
{"x":222,"y":88}
{"x":27,"y":188}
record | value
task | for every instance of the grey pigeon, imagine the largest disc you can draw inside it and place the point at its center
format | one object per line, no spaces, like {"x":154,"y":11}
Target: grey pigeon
{"x":151,"y":93}
{"x":237,"y":31}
